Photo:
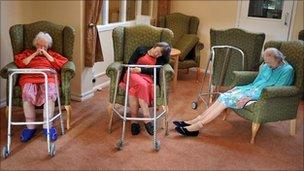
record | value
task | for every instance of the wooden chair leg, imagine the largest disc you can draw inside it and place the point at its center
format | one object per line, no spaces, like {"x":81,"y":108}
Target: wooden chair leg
{"x":226,"y":113}
{"x":254,"y":129}
{"x":197,"y":74}
{"x":68,"y":109}
{"x":166,"y":120}
{"x":293,"y":127}
{"x":110,"y":112}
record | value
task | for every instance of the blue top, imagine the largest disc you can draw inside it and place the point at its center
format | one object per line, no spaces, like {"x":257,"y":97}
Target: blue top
{"x":267,"y":77}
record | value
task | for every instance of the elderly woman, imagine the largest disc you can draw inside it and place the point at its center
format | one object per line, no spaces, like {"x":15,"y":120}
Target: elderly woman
{"x":141,"y":82}
{"x":32,"y":85}
{"x":274,"y":72}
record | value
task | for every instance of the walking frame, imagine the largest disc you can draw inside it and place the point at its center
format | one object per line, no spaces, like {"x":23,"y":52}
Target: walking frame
{"x":156,"y":142}
{"x":51,"y":146}
{"x":210,"y":94}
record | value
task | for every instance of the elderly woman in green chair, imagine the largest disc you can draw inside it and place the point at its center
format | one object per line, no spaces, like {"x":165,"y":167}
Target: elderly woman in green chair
{"x":274,"y":72}
{"x":141,"y":82}
{"x":32,"y":85}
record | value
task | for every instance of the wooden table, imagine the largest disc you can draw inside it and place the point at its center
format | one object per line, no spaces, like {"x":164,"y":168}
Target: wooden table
{"x":175,"y":56}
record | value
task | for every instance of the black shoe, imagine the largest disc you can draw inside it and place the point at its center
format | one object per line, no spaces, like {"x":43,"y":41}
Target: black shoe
{"x":180,"y":123}
{"x":135,"y":128}
{"x":150,"y":128}
{"x":185,"y":132}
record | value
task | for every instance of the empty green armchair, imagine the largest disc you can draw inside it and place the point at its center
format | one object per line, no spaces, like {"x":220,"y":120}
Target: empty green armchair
{"x":126,"y":40}
{"x":276,"y":103}
{"x":22,"y":36}
{"x":185,"y":38}
{"x":250,"y":43}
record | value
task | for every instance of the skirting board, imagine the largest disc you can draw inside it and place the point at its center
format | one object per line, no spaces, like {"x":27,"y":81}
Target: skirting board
{"x":3,"y":103}
{"x":89,"y":94}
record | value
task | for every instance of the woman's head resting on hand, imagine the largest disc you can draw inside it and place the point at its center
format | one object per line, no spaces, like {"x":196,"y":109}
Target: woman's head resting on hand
{"x":273,"y":57}
{"x":160,"y":49}
{"x":43,"y":41}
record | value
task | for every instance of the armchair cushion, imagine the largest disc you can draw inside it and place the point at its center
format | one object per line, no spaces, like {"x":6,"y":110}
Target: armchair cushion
{"x":179,"y":24}
{"x":244,"y":77}
{"x":185,"y":44}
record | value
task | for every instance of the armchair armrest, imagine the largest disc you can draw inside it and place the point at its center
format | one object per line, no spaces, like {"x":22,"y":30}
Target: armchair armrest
{"x":113,"y":69}
{"x":198,"y":47}
{"x":169,"y":72}
{"x":68,"y":70}
{"x":4,"y":70}
{"x":280,"y":91}
{"x":244,"y":77}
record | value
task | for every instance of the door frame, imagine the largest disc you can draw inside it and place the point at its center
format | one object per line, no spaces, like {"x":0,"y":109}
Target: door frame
{"x":293,"y":14}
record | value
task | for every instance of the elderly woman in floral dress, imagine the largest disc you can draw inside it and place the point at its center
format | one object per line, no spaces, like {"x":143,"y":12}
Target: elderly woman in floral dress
{"x":32,"y":85}
{"x":274,"y":72}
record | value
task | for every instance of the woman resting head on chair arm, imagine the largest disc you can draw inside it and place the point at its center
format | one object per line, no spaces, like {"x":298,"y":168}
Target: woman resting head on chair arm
{"x":275,"y":71}
{"x":32,"y":85}
{"x":141,"y":81}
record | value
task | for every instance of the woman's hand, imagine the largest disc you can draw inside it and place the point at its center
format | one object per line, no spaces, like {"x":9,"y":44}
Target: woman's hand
{"x":241,"y":103}
{"x":135,"y":70}
{"x":47,"y":55}
{"x":27,"y":60}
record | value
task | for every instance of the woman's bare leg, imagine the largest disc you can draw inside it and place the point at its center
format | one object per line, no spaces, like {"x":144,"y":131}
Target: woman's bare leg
{"x":145,"y":108}
{"x":134,"y":106}
{"x":51,"y":107}
{"x":208,"y":116}
{"x":29,"y":113}
{"x":201,"y":116}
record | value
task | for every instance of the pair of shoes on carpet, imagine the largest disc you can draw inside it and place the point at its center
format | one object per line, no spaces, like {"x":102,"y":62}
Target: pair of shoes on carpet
{"x":135,"y":128}
{"x":180,"y":128}
{"x":27,"y":134}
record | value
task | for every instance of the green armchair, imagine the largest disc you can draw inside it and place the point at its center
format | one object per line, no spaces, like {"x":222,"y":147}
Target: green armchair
{"x":276,"y":103}
{"x":22,"y":36}
{"x":126,"y":40}
{"x":185,"y":38}
{"x":250,"y":43}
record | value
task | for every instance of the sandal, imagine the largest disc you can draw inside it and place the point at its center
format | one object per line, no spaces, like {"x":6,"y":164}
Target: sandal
{"x":27,"y":134}
{"x":53,"y":133}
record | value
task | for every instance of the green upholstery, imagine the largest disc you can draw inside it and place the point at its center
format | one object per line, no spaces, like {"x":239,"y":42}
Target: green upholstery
{"x":276,"y":103}
{"x":126,"y":40}
{"x":301,"y":35}
{"x":22,"y":36}
{"x":185,"y":38}
{"x":250,"y":43}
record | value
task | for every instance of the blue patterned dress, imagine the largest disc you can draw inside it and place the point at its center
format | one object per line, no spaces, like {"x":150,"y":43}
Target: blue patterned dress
{"x":280,"y":76}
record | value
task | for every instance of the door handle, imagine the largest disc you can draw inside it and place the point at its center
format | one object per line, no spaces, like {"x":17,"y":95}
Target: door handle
{"x":286,"y":19}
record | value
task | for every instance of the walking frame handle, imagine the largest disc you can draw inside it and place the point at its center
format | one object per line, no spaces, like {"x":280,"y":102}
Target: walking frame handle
{"x":31,"y":70}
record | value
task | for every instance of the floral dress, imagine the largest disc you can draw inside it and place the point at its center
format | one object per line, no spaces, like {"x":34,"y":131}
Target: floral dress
{"x":267,"y":77}
{"x":141,"y":85}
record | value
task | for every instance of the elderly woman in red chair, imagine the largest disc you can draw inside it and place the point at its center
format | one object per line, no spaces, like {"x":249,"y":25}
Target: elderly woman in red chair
{"x":32,"y":85}
{"x":141,"y":82}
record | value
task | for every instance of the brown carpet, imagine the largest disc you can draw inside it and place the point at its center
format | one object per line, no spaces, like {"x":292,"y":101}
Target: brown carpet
{"x":222,"y":145}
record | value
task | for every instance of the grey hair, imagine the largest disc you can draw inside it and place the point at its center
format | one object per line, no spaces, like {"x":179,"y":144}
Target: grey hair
{"x":276,"y":53}
{"x":45,"y":36}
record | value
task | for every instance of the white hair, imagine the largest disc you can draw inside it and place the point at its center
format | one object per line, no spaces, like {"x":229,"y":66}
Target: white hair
{"x":276,"y":53}
{"x":45,"y":36}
